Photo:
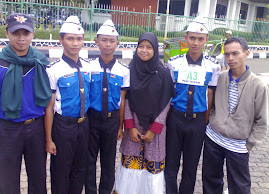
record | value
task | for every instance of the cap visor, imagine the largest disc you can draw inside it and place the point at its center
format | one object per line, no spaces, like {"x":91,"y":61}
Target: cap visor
{"x":17,"y":27}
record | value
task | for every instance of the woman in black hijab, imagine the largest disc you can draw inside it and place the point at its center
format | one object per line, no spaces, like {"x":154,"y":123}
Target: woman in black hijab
{"x":147,"y":104}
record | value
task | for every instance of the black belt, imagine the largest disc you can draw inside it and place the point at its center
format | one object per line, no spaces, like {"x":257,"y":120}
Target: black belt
{"x":98,"y":114}
{"x":183,"y":114}
{"x":70,"y":119}
{"x":26,"y":122}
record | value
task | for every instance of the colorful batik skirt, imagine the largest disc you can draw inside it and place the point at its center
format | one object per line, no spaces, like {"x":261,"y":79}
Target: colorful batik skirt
{"x":136,"y":174}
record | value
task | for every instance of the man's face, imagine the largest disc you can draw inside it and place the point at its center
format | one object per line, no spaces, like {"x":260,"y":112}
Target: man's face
{"x":227,"y":35}
{"x":107,"y":44}
{"x":72,"y":44}
{"x":196,"y":42}
{"x":20,"y":40}
{"x":235,"y":56}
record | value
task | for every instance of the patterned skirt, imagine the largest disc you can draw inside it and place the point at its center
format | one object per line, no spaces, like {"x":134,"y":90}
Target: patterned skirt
{"x":135,"y":174}
{"x":140,"y":162}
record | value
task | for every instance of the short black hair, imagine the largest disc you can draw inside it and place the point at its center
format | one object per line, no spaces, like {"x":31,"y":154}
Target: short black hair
{"x":62,"y":35}
{"x":195,"y":32}
{"x":101,"y":34}
{"x":243,"y":43}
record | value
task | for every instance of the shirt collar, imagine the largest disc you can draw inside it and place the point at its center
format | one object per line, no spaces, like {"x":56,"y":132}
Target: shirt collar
{"x":109,"y":65}
{"x":237,"y":80}
{"x":191,"y":61}
{"x":71,"y":62}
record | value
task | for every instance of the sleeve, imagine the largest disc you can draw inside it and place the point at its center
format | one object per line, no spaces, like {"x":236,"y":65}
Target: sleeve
{"x":52,"y":79}
{"x":260,"y":125}
{"x":159,"y":122}
{"x":215,"y":75}
{"x":128,"y":116}
{"x":171,"y":69}
{"x":126,"y":80}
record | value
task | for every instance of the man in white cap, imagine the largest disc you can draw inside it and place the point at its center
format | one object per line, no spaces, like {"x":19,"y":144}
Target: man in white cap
{"x":195,"y":77}
{"x":67,"y":130}
{"x":109,"y":82}
{"x":223,"y":63}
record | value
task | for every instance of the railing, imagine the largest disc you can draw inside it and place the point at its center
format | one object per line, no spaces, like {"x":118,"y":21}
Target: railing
{"x":49,"y":15}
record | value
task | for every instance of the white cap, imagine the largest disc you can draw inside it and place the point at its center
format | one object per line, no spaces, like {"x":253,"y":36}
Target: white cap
{"x":108,"y":29}
{"x":72,"y":26}
{"x":228,"y":32}
{"x":198,"y":25}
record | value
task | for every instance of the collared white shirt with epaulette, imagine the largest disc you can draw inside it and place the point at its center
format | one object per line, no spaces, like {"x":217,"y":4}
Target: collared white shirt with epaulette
{"x":64,"y":82}
{"x":185,"y":74}
{"x":118,"y":79}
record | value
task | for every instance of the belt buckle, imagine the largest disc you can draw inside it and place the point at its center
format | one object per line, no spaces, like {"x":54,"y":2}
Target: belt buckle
{"x":81,"y":119}
{"x":29,"y":121}
{"x":194,"y":116}
{"x":109,"y":114}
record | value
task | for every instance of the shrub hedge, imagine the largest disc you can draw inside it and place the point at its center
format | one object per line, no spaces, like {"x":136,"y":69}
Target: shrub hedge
{"x":131,"y":34}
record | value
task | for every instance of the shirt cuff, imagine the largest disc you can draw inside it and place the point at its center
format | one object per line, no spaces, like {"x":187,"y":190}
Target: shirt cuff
{"x":156,"y":127}
{"x":129,"y":124}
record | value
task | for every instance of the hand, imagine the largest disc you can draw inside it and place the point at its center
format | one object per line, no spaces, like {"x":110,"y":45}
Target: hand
{"x":135,"y":135}
{"x":120,"y":134}
{"x":148,"y":137}
{"x":51,"y":147}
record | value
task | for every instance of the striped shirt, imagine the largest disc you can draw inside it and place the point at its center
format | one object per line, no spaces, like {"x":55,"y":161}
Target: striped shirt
{"x":234,"y":145}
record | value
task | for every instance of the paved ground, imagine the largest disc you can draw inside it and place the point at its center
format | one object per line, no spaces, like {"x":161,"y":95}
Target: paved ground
{"x":259,"y":156}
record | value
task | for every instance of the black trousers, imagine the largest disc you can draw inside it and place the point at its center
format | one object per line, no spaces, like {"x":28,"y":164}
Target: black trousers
{"x":68,"y":167}
{"x":103,"y":137}
{"x":17,"y":139}
{"x":184,"y":136}
{"x":237,"y":170}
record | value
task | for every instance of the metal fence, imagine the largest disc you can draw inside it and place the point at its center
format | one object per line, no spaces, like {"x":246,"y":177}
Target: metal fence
{"x":49,"y":15}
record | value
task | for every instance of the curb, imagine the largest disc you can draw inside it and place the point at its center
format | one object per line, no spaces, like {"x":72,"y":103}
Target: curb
{"x":127,"y":54}
{"x":55,"y":53}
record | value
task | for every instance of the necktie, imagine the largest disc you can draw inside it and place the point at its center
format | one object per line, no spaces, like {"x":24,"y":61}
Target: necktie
{"x":105,"y":94}
{"x":81,"y":93}
{"x":189,"y":110}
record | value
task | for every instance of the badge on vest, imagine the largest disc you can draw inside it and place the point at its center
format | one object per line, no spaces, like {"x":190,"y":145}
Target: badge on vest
{"x":192,"y":75}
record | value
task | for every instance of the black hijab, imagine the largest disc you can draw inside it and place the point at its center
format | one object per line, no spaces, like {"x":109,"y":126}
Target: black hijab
{"x":151,"y":85}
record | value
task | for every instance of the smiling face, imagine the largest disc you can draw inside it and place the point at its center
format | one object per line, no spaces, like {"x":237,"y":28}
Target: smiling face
{"x":72,"y":44}
{"x":196,"y":42}
{"x":145,"y":50}
{"x":235,"y":56}
{"x":20,"y":41}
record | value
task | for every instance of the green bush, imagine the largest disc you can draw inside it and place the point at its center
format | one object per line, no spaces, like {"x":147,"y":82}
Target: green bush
{"x":2,"y":32}
{"x":221,"y":31}
{"x":131,"y":31}
{"x":128,"y":39}
{"x":169,"y":34}
{"x":215,"y":37}
{"x":45,"y":34}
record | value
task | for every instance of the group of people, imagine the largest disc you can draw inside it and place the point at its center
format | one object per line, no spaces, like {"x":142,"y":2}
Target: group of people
{"x":75,"y":108}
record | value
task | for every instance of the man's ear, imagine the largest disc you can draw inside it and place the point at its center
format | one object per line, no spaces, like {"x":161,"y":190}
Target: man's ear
{"x":6,"y":33}
{"x":247,"y":52}
{"x":60,"y":39}
{"x":96,"y":41}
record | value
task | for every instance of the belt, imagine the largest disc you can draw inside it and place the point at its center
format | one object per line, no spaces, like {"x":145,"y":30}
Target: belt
{"x":72,"y":119}
{"x":29,"y":121}
{"x":26,"y":122}
{"x":183,"y":114}
{"x":98,"y":114}
{"x":81,"y":119}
